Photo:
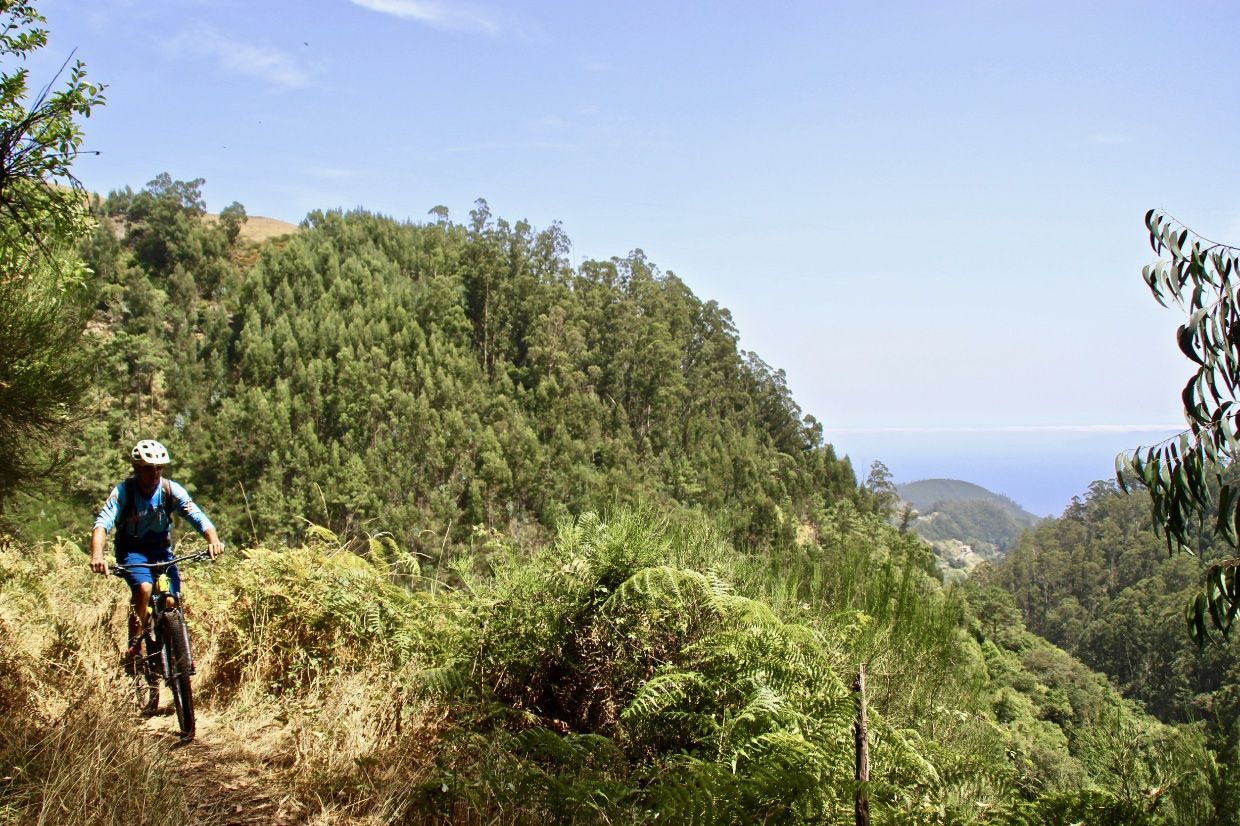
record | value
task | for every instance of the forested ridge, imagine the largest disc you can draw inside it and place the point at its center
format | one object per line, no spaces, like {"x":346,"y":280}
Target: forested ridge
{"x":369,"y":375}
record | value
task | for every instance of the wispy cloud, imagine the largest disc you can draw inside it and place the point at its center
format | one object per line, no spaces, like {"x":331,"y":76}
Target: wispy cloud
{"x":503,"y":146}
{"x":438,"y":14}
{"x":1110,"y":138}
{"x":333,"y":172}
{"x":272,"y":65}
{"x":550,"y":122}
{"x":1045,"y":428}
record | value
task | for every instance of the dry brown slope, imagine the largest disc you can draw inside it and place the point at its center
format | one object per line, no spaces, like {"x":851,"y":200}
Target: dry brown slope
{"x":258,"y":229}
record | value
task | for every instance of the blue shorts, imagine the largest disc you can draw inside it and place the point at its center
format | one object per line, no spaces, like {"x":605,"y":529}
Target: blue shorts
{"x":139,"y":575}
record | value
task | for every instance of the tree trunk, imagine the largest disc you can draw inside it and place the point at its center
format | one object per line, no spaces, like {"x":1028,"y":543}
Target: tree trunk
{"x":861,"y":736}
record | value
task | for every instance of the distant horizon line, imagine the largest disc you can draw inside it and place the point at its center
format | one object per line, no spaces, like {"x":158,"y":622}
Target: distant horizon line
{"x":1037,"y":428}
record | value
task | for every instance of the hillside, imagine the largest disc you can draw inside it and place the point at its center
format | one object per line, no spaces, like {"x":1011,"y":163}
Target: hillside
{"x":1099,"y":582}
{"x":513,"y":541}
{"x":431,"y":382}
{"x":256,"y":229}
{"x":926,"y":494}
{"x":965,"y":523}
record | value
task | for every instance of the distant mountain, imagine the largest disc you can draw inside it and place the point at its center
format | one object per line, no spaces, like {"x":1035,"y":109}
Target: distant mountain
{"x":965,"y":523}
{"x":929,"y":492}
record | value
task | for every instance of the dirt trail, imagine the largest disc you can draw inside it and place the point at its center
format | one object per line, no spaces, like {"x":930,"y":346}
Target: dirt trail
{"x":225,"y":785}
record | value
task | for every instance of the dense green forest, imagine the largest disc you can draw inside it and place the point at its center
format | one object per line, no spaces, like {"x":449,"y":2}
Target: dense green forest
{"x":431,"y":380}
{"x":515,"y":541}
{"x":1099,"y":583}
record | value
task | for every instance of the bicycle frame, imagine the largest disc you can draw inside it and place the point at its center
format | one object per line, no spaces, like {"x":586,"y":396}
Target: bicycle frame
{"x":163,"y":617}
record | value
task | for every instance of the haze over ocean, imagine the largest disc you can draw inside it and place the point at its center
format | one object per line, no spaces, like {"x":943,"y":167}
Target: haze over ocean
{"x":1040,"y":469}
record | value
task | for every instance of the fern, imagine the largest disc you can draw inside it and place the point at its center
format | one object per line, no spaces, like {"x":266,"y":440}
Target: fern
{"x":449,"y":681}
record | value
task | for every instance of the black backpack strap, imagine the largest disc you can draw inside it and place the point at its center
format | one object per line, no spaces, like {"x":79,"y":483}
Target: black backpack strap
{"x":129,"y":507}
{"x":170,"y":506}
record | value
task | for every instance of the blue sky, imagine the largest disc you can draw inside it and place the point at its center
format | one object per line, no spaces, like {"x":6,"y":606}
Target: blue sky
{"x":929,"y":214}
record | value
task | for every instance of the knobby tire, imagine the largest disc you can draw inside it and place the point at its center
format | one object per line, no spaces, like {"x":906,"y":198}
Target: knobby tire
{"x":177,"y":646}
{"x":144,"y":681}
{"x":140,"y":689}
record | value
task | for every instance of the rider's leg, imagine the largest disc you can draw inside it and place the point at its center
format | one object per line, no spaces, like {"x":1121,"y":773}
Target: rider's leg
{"x":139,"y":605}
{"x":140,"y":600}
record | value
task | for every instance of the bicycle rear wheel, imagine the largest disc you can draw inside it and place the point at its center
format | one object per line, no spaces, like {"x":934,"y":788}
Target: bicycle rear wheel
{"x":176,"y":642}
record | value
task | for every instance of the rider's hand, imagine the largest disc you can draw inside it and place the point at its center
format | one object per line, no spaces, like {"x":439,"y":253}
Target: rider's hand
{"x":214,"y":546}
{"x":98,"y":565}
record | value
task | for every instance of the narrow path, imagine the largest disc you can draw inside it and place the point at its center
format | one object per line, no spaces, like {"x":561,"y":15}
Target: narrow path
{"x":224,"y":783}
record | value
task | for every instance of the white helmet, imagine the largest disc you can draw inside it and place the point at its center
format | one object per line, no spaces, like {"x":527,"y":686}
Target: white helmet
{"x":149,"y":452}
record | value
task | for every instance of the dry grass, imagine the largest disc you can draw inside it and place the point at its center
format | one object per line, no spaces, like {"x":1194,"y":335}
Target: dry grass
{"x":258,"y":229}
{"x":70,"y":750}
{"x":348,"y":747}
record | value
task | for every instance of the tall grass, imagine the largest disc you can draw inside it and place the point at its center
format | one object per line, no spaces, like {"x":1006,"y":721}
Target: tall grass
{"x":70,"y":749}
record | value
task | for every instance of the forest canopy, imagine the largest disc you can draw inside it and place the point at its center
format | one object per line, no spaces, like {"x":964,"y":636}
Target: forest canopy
{"x":433,"y":380}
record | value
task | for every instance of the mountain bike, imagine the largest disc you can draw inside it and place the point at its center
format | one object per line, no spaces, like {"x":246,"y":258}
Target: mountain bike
{"x":163,"y":647}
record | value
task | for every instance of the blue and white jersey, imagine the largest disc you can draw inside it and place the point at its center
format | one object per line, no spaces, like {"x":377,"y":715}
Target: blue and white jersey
{"x":146,"y":521}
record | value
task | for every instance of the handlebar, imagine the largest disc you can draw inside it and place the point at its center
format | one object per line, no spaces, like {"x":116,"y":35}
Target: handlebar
{"x":118,"y":569}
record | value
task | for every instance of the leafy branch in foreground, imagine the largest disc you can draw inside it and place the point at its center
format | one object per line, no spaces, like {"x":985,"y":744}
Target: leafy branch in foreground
{"x":42,"y":213}
{"x":41,"y":202}
{"x":1187,"y":475}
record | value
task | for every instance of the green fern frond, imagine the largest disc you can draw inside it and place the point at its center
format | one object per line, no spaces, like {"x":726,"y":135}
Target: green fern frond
{"x":662,"y":585}
{"x":318,"y":533}
{"x":575,"y":750}
{"x":745,"y":611}
{"x":451,"y":680}
{"x":384,"y":551}
{"x":372,"y":621}
{"x":664,"y":692}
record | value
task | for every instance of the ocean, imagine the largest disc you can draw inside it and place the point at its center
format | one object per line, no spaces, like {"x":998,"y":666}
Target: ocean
{"x":1039,"y":469}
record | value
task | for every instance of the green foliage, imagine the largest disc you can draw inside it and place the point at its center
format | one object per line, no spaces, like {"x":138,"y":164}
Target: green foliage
{"x":44,"y":370}
{"x":282,"y":619}
{"x":425,"y":380}
{"x":878,"y":482}
{"x":42,"y":213}
{"x":1185,"y":475}
{"x":1086,"y":806}
{"x":928,"y":494}
{"x":636,"y":670}
{"x":1093,"y":582}
{"x":41,"y":203}
{"x":723,"y":698}
{"x":986,"y":526}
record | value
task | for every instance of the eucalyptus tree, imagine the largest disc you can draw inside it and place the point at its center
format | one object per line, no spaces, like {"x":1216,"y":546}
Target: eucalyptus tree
{"x":1188,"y":476}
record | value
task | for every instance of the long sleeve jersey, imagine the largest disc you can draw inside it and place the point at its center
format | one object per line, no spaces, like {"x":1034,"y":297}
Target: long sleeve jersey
{"x":146,"y":521}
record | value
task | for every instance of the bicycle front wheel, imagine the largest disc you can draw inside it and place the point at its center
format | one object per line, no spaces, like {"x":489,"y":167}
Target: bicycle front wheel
{"x":176,"y":643}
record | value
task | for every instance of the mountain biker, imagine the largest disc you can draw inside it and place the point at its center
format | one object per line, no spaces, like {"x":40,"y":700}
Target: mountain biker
{"x":143,"y":505}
